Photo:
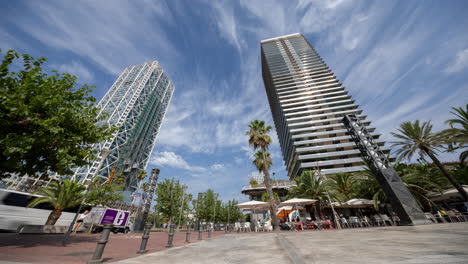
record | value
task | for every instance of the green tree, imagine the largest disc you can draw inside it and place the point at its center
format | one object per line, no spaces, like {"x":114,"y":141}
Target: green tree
{"x":419,"y":138}
{"x":172,"y":201}
{"x":140,"y":177}
{"x":120,"y":179}
{"x":253,"y":182}
{"x":48,"y":125}
{"x":457,"y":135}
{"x":259,"y":139}
{"x":420,"y":181}
{"x":266,"y":198}
{"x":105,"y":194}
{"x":207,"y":206}
{"x":310,"y":186}
{"x":341,"y":184}
{"x":369,"y":188}
{"x":460,"y":172}
{"x":61,"y":195}
{"x":230,"y":213}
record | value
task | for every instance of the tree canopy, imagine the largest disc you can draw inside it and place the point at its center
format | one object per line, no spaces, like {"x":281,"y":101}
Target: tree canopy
{"x":209,"y":208}
{"x":172,"y":201}
{"x":61,"y":195}
{"x":48,"y":124}
{"x":105,"y":194}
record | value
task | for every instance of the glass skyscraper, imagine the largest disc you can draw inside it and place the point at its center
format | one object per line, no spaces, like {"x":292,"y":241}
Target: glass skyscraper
{"x":136,"y":104}
{"x":308,"y":104}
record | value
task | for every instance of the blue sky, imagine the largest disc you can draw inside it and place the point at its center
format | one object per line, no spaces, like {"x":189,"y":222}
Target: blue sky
{"x":400,"y":60}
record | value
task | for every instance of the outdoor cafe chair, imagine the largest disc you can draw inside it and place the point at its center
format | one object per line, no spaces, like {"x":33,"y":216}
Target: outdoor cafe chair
{"x":310,"y":225}
{"x":431,"y":218}
{"x":354,"y":221}
{"x":344,"y":222}
{"x":257,"y":226}
{"x":465,"y":216}
{"x":237,"y":227}
{"x":440,"y":218}
{"x":378,"y":220}
{"x":452,"y":216}
{"x":365,"y":222}
{"x":246,"y":227}
{"x":318,"y":224}
{"x":267,"y":227}
{"x":327,"y":224}
{"x":299,"y":226}
{"x":385,"y":218}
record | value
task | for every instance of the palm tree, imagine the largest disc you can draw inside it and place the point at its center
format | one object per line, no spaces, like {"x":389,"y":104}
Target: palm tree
{"x":61,"y":195}
{"x":140,"y":177}
{"x":419,"y":138}
{"x":420,"y":181}
{"x":458,"y":137}
{"x":342,"y":185}
{"x":259,"y":139}
{"x":311,"y":186}
{"x":369,"y":188}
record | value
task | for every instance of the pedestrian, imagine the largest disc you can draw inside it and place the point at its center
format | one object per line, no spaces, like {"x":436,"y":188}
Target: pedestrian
{"x":79,"y":222}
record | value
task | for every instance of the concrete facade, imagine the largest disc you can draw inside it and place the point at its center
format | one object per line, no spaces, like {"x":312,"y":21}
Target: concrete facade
{"x":308,"y":103}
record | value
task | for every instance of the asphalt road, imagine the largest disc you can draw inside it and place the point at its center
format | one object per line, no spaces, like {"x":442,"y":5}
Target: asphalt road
{"x":436,"y":243}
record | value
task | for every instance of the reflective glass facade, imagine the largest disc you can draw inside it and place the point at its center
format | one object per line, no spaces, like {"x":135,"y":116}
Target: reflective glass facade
{"x":308,"y":104}
{"x":136,"y":103}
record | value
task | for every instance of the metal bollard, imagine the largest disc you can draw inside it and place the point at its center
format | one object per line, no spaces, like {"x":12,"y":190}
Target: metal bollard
{"x":187,"y":235}
{"x":171,"y":236}
{"x":209,"y":232}
{"x":200,"y":232}
{"x":101,"y":244}
{"x":144,"y":239}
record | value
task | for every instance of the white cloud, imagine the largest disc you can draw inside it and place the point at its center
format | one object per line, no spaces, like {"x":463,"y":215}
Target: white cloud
{"x":227,"y":23}
{"x":171,"y":159}
{"x":217,"y":166}
{"x":90,"y":32}
{"x":77,"y":69}
{"x":460,"y":62}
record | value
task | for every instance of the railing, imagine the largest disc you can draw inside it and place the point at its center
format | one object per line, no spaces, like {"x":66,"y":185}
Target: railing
{"x":275,"y":184}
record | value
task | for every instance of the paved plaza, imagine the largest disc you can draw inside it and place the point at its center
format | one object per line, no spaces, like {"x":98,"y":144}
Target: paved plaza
{"x":48,"y":249}
{"x":437,"y":243}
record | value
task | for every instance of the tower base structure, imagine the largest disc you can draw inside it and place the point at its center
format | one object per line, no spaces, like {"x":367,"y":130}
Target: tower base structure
{"x":401,"y":199}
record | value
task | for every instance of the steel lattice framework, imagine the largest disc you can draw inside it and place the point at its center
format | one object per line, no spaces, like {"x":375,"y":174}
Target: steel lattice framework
{"x":399,"y":196}
{"x":136,"y":104}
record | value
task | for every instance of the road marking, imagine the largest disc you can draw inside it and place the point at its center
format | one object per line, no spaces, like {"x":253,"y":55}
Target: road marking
{"x":295,"y":258}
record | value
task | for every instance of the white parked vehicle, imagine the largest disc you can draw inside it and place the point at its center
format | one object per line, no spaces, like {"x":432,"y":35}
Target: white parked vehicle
{"x":14,"y":211}
{"x":122,"y":221}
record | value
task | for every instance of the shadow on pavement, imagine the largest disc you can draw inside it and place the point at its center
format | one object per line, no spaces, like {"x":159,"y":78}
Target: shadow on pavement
{"x":9,"y":239}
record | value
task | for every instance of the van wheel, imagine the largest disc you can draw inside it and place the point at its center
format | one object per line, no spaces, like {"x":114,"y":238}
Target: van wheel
{"x":126,"y":230}
{"x":115,"y":231}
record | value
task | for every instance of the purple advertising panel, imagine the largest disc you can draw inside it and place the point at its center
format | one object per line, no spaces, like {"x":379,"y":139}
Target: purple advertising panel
{"x":115,"y":217}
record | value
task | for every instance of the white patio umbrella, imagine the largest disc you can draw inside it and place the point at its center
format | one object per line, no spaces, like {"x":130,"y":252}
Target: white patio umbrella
{"x":298,"y":201}
{"x":358,"y":203}
{"x":253,"y":205}
{"x":450,"y":194}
